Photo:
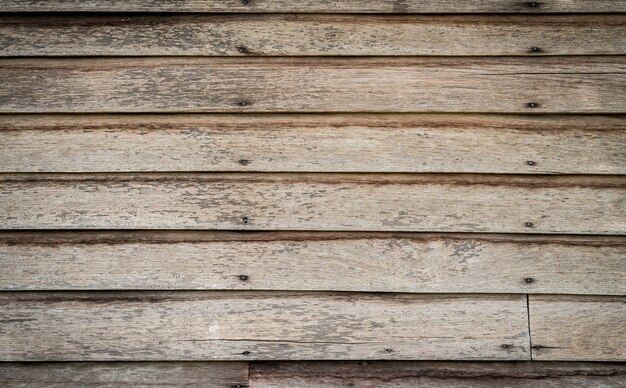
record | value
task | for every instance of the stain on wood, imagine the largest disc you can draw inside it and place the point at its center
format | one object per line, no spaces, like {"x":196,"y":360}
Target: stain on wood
{"x":409,"y":374}
{"x":126,"y":326}
{"x":578,"y":328}
{"x":401,"y":84}
{"x":302,"y":35}
{"x":312,"y":261}
{"x":317,"y":6}
{"x":324,"y":202}
{"x":313,"y":143}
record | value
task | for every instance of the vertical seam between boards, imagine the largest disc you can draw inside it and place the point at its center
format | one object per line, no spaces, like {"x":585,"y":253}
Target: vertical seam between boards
{"x":530,"y":337}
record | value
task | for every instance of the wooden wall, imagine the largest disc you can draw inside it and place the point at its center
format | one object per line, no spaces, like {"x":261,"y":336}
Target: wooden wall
{"x":216,"y":193}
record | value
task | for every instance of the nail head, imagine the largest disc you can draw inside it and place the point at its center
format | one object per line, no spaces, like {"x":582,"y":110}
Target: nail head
{"x":243,"y":277}
{"x":529,"y":224}
{"x":529,"y":280}
{"x":531,"y":163}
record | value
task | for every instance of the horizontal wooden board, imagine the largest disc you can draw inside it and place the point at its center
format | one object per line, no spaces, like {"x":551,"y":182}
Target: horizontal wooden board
{"x":165,"y":35}
{"x":400,"y":84}
{"x":379,"y":6}
{"x":332,"y":202}
{"x":260,"y":326}
{"x":572,"y":328}
{"x":424,"y":374}
{"x":312,"y":261}
{"x":127,"y":374}
{"x":314,"y":143}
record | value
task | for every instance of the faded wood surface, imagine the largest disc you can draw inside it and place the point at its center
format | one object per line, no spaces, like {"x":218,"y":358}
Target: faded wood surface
{"x":331,"y":202}
{"x":162,"y":35}
{"x":410,"y":374}
{"x":331,"y":6}
{"x":260,"y":326}
{"x":312,"y":143}
{"x":312,"y":261}
{"x":401,"y":84}
{"x":126,"y":374}
{"x":578,"y":328}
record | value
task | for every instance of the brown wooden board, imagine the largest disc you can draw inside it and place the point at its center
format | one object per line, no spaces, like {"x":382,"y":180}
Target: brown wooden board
{"x":325,"y":202}
{"x":314,"y":143}
{"x":397,"y":84}
{"x":331,"y":6}
{"x":218,"y":35}
{"x":125,"y":326}
{"x":312,"y":261}
{"x":392,"y":374}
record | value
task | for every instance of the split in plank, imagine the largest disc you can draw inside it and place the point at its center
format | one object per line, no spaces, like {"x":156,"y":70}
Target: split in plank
{"x":427,"y":374}
{"x":321,"y":6}
{"x":313,"y":143}
{"x":127,"y":326}
{"x":578,"y":328}
{"x":125,"y":374}
{"x":294,"y":35}
{"x":377,"y":262}
{"x":396,"y":84}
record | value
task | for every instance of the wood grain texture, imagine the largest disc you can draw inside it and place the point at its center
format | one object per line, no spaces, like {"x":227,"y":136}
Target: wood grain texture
{"x":401,"y":84}
{"x":573,"y":328}
{"x":331,"y":202}
{"x":126,"y":374}
{"x":199,"y":325}
{"x":165,"y":35}
{"x":313,"y":143}
{"x":408,"y":374}
{"x":331,"y":6}
{"x":312,"y":261}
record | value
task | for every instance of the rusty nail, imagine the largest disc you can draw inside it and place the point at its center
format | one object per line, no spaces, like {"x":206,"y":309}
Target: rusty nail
{"x":529,"y":224}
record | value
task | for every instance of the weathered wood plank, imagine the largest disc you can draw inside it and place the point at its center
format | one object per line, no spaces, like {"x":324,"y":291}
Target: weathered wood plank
{"x":233,"y":325}
{"x":350,"y":6}
{"x":578,"y":328}
{"x":410,"y":374}
{"x":127,"y":374}
{"x":400,"y":84}
{"x":313,"y":143}
{"x":164,"y":35}
{"x":312,"y":261}
{"x":331,"y":202}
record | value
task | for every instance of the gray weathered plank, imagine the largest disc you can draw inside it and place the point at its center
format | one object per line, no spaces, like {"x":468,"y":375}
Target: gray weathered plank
{"x":312,"y":261}
{"x":332,"y":6}
{"x":165,"y":35}
{"x":126,"y":326}
{"x":425,"y":374}
{"x":578,"y":328}
{"x":383,"y":84}
{"x":127,"y":374}
{"x":313,"y":143}
{"x":331,"y":202}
